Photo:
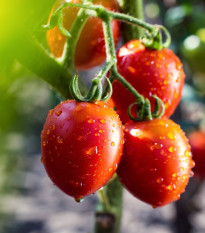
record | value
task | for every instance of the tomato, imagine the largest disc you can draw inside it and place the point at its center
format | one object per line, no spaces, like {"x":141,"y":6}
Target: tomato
{"x":151,"y":72}
{"x":156,"y":162}
{"x":90,"y":49}
{"x":81,"y":146}
{"x":197,"y":142}
{"x":193,"y":49}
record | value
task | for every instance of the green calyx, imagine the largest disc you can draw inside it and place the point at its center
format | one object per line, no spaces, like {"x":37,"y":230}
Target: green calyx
{"x":143,"y":111}
{"x":95,"y":93}
{"x":154,"y":40}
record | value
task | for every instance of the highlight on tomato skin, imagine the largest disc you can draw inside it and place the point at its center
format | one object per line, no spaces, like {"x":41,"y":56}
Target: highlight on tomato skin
{"x":81,"y":146}
{"x":156,"y":162}
{"x":90,"y":48}
{"x":151,"y":72}
{"x":197,"y":142}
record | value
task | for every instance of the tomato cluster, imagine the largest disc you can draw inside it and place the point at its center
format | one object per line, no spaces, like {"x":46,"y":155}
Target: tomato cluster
{"x":82,"y":142}
{"x":90,"y":49}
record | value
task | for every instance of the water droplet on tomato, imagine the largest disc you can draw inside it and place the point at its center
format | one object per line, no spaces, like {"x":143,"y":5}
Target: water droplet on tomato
{"x":156,"y":146}
{"x":44,"y":143}
{"x":59,"y":140}
{"x":174,"y":175}
{"x":92,"y":151}
{"x":187,"y":154}
{"x":170,"y":187}
{"x":102,"y":121}
{"x":101,"y":131}
{"x":159,"y":180}
{"x":91,"y":121}
{"x":50,"y":112}
{"x":48,"y":132}
{"x":58,"y":113}
{"x":171,"y":136}
{"x":191,"y":174}
{"x":112,"y":144}
{"x":182,"y":169}
{"x":110,"y":169}
{"x":131,"y":69}
{"x":171,"y":149}
{"x":42,"y":159}
{"x":79,"y":200}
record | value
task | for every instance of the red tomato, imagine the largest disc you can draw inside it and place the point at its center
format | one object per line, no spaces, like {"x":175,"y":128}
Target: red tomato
{"x":90,"y":49}
{"x":81,"y":146}
{"x":197,"y":142}
{"x":151,"y":72}
{"x":156,"y":162}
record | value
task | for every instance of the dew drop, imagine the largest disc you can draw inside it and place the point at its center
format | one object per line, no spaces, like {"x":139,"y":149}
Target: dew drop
{"x":159,"y":180}
{"x":110,"y":169}
{"x":171,"y":149}
{"x":53,"y":127}
{"x":42,"y":159}
{"x":101,"y":131}
{"x":58,"y":113}
{"x":91,"y":121}
{"x":44,"y":143}
{"x":171,"y":136}
{"x":112,"y":144}
{"x":48,"y":132}
{"x":50,"y":112}
{"x":182,"y":169}
{"x":187,"y":154}
{"x":102,"y":121}
{"x":92,"y":151}
{"x":59,"y":140}
{"x":191,"y":174}
{"x":131,"y":69}
{"x":79,"y":200}
{"x":174,"y":175}
{"x":156,"y":146}
{"x":170,"y":187}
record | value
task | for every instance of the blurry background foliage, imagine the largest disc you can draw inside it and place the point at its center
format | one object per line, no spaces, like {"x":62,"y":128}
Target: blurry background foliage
{"x":25,"y":99}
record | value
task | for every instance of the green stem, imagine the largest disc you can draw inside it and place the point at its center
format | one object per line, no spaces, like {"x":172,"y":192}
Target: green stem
{"x":108,"y":219}
{"x":69,"y":49}
{"x":117,"y":76}
{"x":102,"y":12}
{"x":104,"y":199}
{"x":133,"y":8}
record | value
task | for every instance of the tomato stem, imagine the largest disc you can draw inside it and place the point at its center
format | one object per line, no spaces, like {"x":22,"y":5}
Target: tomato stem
{"x":67,"y":58}
{"x":101,"y":12}
{"x":135,"y":8}
{"x":104,"y":199}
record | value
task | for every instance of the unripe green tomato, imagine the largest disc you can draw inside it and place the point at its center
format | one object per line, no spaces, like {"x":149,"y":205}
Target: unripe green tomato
{"x":193,"y":50}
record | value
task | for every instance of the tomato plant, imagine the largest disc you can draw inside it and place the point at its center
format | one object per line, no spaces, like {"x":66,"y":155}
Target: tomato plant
{"x":151,"y":72}
{"x":156,"y":161}
{"x":197,"y":142}
{"x":81,"y":146}
{"x":90,"y":49}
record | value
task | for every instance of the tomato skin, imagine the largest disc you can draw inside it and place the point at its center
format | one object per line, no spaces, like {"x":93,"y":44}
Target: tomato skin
{"x":197,"y":142}
{"x":151,"y":72}
{"x":81,"y":146}
{"x":90,"y":48}
{"x":156,"y":162}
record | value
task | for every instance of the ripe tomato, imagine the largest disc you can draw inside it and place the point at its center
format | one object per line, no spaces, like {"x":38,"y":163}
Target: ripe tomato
{"x":156,"y":161}
{"x":81,"y":146}
{"x":151,"y":72}
{"x":90,"y":49}
{"x":197,"y":142}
